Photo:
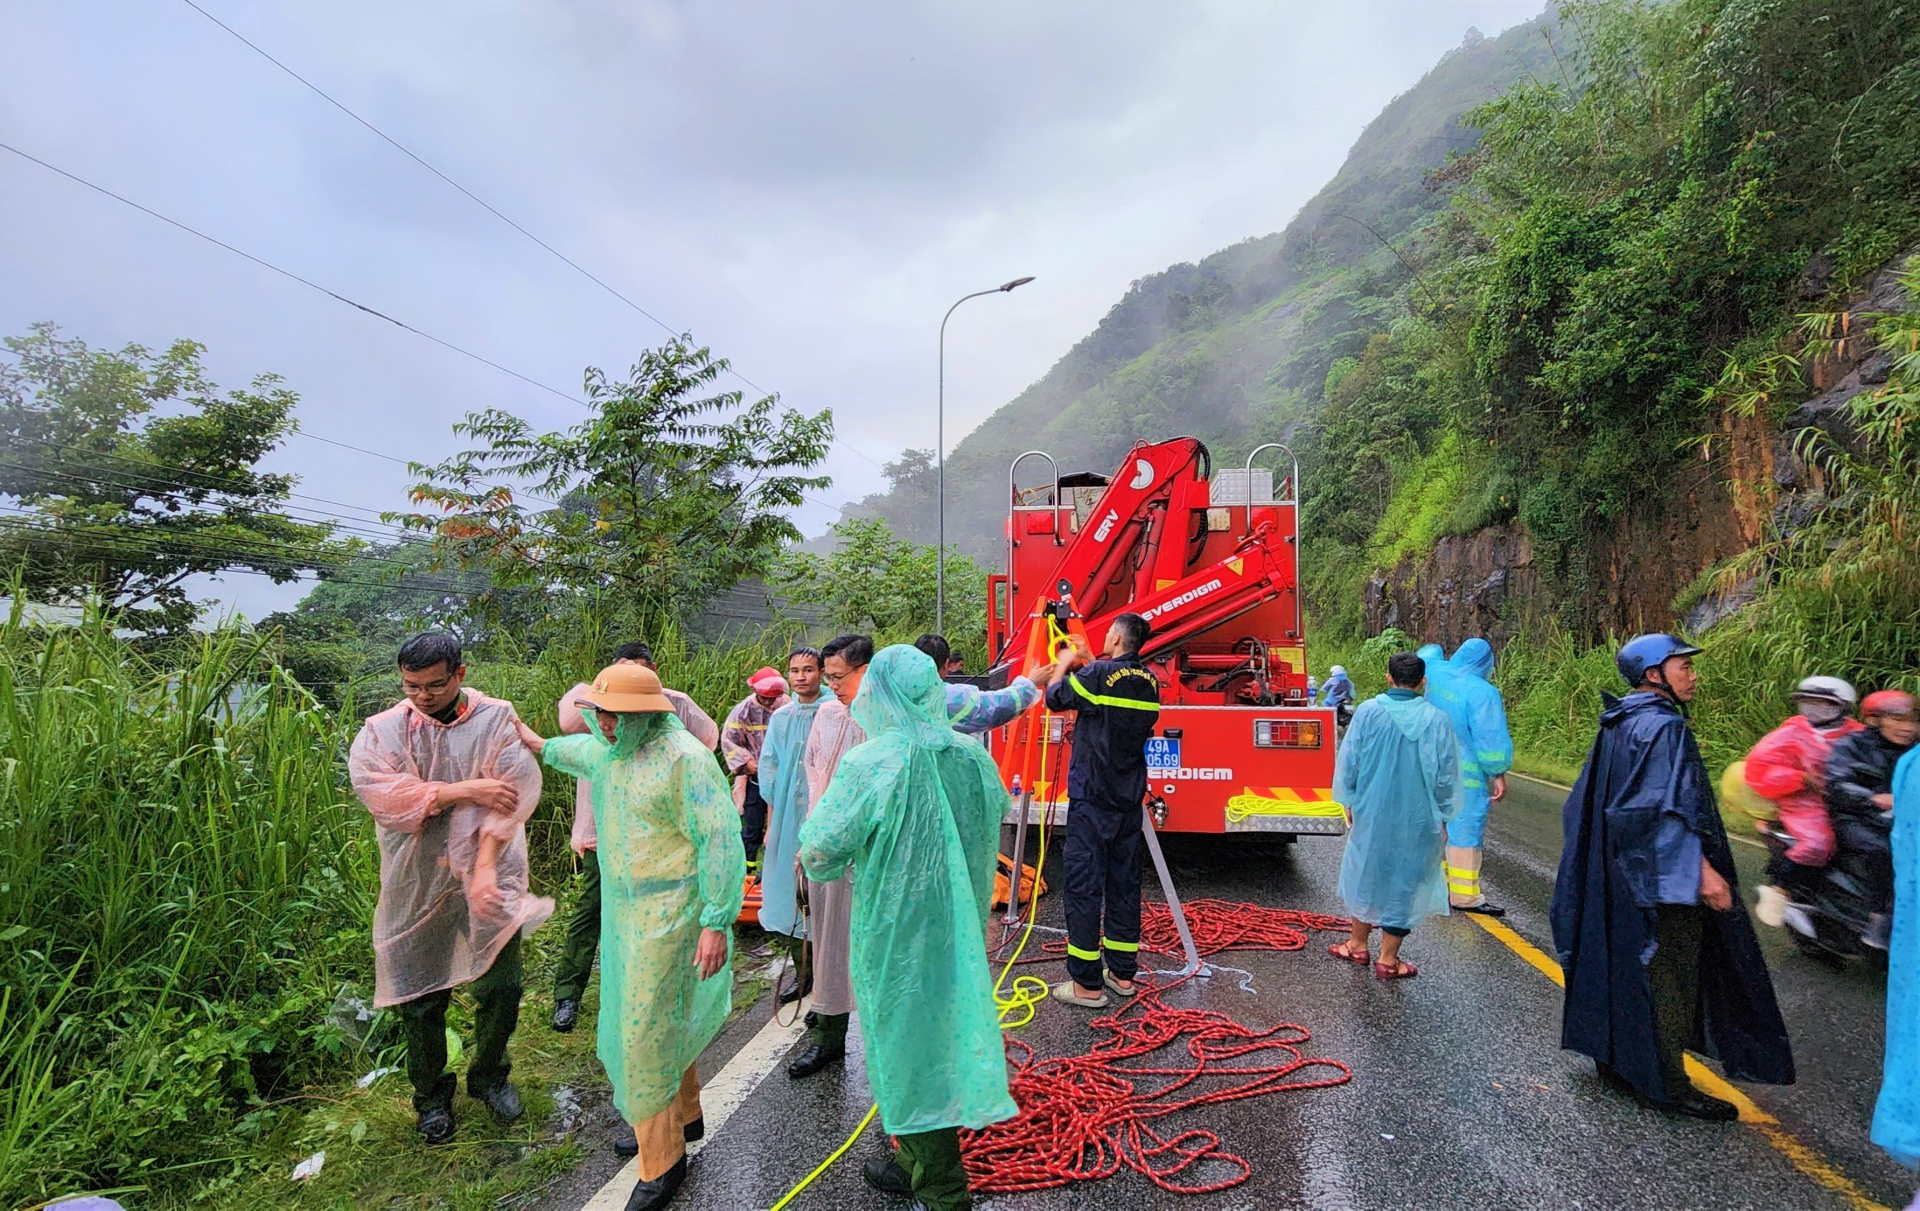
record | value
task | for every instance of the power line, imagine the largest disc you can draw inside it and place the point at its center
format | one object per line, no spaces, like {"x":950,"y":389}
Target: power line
{"x":290,"y":274}
{"x":140,"y":465}
{"x":408,"y":152}
{"x":56,"y":537}
{"x":111,"y":539}
{"x":294,"y":513}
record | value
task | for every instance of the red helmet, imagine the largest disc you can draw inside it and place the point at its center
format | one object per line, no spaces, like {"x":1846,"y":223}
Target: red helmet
{"x":1887,"y":702}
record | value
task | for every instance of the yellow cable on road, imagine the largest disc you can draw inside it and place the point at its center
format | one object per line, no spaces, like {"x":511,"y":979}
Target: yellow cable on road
{"x":824,"y":1165}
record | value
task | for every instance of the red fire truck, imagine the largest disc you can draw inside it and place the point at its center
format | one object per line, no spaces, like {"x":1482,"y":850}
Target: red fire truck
{"x":1212,"y":563}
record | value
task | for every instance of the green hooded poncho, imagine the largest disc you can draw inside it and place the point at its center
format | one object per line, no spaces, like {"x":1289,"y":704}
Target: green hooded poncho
{"x":916,"y":812}
{"x":670,"y":866}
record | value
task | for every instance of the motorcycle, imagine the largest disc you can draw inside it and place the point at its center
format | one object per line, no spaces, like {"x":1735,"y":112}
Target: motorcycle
{"x":1827,"y":925}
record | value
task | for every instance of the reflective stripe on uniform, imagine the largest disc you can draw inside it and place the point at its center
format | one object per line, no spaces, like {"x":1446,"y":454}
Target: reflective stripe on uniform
{"x":1463,"y":882}
{"x":1108,"y":700}
{"x":1123,"y":947}
{"x":1091,"y":956}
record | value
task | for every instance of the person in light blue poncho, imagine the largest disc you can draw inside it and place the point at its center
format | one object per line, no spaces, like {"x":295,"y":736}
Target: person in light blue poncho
{"x":783,"y":780}
{"x":1398,"y":775}
{"x":1461,"y":688}
{"x":1432,"y":655}
{"x":1896,"y":1117}
{"x":974,"y":711}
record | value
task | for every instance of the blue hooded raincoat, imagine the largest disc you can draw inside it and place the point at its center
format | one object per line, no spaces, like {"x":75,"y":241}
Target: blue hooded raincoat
{"x":1643,"y":779}
{"x":915,"y":812}
{"x":1461,"y":688}
{"x":783,"y":780}
{"x":1398,"y":772}
{"x":1896,"y":1117}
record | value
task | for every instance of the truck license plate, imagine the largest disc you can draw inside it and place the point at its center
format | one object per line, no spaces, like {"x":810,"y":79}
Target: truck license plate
{"x":1162,"y":753}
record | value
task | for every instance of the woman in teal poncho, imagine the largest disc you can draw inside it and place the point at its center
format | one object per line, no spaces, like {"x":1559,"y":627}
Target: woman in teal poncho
{"x":915,"y":811}
{"x":671,"y":872}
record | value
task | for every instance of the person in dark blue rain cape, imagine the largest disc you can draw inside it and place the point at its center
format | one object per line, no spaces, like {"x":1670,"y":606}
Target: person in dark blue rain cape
{"x":1896,"y":1116}
{"x":1659,"y":953}
{"x":1460,"y":686}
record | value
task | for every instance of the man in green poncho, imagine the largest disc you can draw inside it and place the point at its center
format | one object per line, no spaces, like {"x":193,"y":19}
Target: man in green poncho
{"x":671,"y":871}
{"x":915,"y":811}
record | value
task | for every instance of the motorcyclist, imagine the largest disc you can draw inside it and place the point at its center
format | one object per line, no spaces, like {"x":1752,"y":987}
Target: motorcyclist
{"x":1859,"y":797}
{"x":1337,"y":693}
{"x":1788,"y":766}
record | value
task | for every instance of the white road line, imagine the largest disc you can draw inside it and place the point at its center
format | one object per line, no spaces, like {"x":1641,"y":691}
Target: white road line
{"x":719,"y":1098}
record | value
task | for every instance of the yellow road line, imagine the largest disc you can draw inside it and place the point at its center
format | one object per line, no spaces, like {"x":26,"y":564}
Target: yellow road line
{"x":1801,"y":1157}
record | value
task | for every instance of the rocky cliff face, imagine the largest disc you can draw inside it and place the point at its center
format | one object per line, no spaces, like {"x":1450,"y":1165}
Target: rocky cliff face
{"x":1748,"y":483}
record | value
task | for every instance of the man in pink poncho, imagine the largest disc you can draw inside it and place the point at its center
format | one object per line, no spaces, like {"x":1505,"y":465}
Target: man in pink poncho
{"x":451,"y":787}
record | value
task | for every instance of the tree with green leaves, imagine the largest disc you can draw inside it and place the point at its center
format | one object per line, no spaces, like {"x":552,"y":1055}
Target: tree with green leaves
{"x":132,"y":472}
{"x":669,"y":493}
{"x":873,"y":581}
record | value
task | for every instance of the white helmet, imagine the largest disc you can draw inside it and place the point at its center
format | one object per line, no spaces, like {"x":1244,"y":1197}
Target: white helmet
{"x":1829,"y":689}
{"x":1337,"y":671}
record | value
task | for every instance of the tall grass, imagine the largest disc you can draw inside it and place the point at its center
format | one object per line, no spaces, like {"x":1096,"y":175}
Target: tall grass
{"x":187,"y":881}
{"x":184,"y":887}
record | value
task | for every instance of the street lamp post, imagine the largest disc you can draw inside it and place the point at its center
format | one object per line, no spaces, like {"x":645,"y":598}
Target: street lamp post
{"x":940,"y":453}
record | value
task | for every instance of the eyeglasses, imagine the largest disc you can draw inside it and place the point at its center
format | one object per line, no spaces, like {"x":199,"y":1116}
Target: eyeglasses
{"x":837,"y":678}
{"x":425,"y":687}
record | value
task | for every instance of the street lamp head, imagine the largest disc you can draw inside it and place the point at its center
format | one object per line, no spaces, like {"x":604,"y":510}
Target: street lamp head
{"x":1013,"y":283}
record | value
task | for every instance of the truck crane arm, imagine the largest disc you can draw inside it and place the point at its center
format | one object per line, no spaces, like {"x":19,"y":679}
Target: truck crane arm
{"x":1253,"y":575}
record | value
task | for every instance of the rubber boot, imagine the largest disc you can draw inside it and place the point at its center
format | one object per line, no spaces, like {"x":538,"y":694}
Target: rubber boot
{"x":1463,"y":882}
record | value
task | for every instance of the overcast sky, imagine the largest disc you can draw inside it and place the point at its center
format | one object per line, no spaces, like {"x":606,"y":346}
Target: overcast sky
{"x":805,"y":187}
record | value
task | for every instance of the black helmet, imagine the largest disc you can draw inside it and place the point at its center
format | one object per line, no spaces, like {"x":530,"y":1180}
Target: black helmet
{"x":1644,"y":652}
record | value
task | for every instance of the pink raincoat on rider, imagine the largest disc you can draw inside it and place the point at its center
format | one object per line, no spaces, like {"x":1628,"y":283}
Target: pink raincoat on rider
{"x":1789,"y":766}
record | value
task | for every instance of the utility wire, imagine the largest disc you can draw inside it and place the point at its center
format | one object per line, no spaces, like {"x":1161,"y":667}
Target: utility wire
{"x":408,"y":152}
{"x":54,"y":536}
{"x":176,"y":491}
{"x":290,"y":274}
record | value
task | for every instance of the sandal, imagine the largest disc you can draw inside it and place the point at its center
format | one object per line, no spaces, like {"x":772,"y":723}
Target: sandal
{"x":1343,"y":951}
{"x":1402,"y":970}
{"x":1069,"y":994}
{"x":1113,"y":986}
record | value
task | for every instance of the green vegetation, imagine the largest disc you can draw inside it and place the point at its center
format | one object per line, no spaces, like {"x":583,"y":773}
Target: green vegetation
{"x":874,"y":582}
{"x":133,"y":473}
{"x":186,"y":886}
{"x":187,"y":879}
{"x":662,"y":498}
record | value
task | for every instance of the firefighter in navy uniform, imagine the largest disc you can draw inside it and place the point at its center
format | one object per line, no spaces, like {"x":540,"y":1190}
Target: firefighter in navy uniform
{"x":1117,"y":703}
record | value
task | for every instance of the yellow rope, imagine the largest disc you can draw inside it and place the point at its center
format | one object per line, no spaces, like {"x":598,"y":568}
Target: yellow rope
{"x":1028,"y":992}
{"x":824,"y":1165}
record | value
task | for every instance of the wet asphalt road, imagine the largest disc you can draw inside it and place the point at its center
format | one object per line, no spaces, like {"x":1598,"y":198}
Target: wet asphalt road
{"x":1460,"y":1098}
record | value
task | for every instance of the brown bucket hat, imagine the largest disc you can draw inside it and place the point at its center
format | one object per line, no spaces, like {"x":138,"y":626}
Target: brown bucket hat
{"x":627,"y":688}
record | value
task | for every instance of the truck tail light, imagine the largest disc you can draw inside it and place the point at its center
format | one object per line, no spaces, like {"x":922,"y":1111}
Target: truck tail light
{"x":1286,"y":733}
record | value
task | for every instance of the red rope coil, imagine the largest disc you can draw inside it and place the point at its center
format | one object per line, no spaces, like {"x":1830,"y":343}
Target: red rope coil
{"x":1082,"y":1117}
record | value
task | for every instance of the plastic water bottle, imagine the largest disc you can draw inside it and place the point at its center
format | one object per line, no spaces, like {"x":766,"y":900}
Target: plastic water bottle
{"x":1016,"y":786}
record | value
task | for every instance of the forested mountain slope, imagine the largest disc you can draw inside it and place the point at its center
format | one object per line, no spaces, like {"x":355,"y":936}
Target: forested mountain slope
{"x":1644,"y":354}
{"x":1234,"y":349}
